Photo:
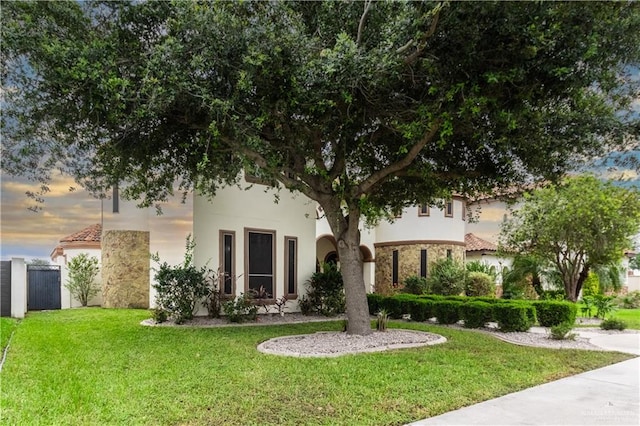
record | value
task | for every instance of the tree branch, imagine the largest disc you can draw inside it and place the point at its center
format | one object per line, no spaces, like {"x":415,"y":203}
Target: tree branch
{"x":363,"y":18}
{"x":381,"y":174}
{"x":423,"y":41}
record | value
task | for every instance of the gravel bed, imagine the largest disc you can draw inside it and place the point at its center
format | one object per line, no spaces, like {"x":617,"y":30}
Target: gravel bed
{"x":331,"y":344}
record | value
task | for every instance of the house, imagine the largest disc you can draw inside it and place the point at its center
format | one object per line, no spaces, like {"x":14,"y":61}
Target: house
{"x":86,"y":241}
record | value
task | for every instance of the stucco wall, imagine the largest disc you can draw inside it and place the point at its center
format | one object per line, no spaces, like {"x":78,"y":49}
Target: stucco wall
{"x":235,"y":210}
{"x":125,"y":269}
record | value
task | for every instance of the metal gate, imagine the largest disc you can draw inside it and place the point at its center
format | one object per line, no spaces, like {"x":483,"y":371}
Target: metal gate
{"x":44,"y":287}
{"x":5,"y":288}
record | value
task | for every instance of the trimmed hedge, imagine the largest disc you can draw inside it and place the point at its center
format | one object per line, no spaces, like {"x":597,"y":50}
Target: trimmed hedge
{"x":551,"y":313}
{"x":374,"y":300}
{"x":447,"y":311}
{"x":420,"y":309}
{"x":476,"y":313}
{"x":514,"y":316}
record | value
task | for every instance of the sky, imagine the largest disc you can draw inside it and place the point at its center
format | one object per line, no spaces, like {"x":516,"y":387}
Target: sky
{"x":34,"y":235}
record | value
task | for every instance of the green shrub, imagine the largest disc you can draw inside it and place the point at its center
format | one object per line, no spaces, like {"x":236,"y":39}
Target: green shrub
{"x":479,"y":284}
{"x":81,"y":283}
{"x":415,"y":285}
{"x":397,"y":305}
{"x":551,"y":313}
{"x":180,"y":288}
{"x":553,"y":295}
{"x":374,"y":300}
{"x":604,"y":305}
{"x":326,"y":291}
{"x":241,"y":309}
{"x":591,"y":285}
{"x":477,"y":266}
{"x":629,"y":301}
{"x":514,"y":316}
{"x":447,"y":311}
{"x":382,"y":319}
{"x":476,"y":314}
{"x":159,"y":315}
{"x":420,"y":309}
{"x":613,"y":324}
{"x":447,"y":277}
{"x":562,"y":331}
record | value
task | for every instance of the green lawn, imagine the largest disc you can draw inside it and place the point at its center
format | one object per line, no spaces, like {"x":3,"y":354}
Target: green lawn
{"x":99,"y":366}
{"x":630,"y":316}
{"x":7,"y":325}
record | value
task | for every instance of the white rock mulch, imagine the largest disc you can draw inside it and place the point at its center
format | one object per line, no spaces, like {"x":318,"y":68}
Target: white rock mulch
{"x":333,"y":344}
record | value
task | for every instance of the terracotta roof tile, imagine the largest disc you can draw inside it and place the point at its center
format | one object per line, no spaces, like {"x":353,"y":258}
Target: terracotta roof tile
{"x":474,"y":243}
{"x":92,"y":233}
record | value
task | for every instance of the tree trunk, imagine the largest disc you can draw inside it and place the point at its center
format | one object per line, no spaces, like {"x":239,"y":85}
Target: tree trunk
{"x":347,"y":234}
{"x":584,"y":274}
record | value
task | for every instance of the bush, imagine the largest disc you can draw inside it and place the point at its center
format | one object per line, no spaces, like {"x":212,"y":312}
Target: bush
{"x":551,"y":313}
{"x":479,"y":284}
{"x":604,"y":305}
{"x":613,"y":324}
{"x":374,"y":300}
{"x":562,"y":331}
{"x":476,"y":314}
{"x":591,"y":285}
{"x":159,"y":315}
{"x":415,"y":285}
{"x":629,"y":301}
{"x":180,"y":288}
{"x":447,"y":311}
{"x":553,"y":295}
{"x":83,"y":271}
{"x":514,"y":316}
{"x":382,"y":319}
{"x":447,"y":277}
{"x":397,"y":305}
{"x":241,"y":309}
{"x":420,"y":309}
{"x":325,"y":295}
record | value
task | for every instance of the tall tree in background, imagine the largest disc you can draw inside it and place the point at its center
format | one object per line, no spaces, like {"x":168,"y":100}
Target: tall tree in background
{"x":364,"y":107}
{"x":578,"y":226}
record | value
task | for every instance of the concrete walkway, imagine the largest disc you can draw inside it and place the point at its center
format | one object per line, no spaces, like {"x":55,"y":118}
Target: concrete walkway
{"x":606,"y":396}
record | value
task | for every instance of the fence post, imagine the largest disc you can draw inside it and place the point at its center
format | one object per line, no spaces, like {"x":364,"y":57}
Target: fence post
{"x":18,"y":287}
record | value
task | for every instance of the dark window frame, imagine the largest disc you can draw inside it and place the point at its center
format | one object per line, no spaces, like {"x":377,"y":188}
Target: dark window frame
{"x":395,"y":267}
{"x":232,"y":274}
{"x":448,"y":209}
{"x":424,"y":267}
{"x":288,"y":278}
{"x":424,"y":210}
{"x":247,"y":272}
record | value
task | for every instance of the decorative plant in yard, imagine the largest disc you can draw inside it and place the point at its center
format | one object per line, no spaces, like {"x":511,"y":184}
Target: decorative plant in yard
{"x":240,"y":309}
{"x":604,"y":305}
{"x":325,"y":295}
{"x":180,"y":288}
{"x":281,"y":304}
{"x":447,"y":277}
{"x":382,"y":320}
{"x":81,"y":283}
{"x":415,"y":285}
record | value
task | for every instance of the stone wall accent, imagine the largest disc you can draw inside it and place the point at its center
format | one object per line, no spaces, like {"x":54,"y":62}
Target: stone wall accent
{"x":125,"y":269}
{"x":409,"y":260}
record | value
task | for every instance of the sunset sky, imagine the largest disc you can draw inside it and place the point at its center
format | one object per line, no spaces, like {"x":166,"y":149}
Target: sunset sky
{"x":32,"y":235}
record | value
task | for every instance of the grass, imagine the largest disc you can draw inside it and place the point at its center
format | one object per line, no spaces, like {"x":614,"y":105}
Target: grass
{"x":7,"y":326}
{"x":629,"y":316}
{"x":99,"y":366}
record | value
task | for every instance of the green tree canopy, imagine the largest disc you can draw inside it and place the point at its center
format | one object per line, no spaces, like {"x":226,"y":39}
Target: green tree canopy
{"x":580,"y":225}
{"x":364,"y":107}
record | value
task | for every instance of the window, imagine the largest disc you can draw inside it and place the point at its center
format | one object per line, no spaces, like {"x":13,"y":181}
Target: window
{"x":394,"y":268}
{"x":115,"y":198}
{"x":423,"y":263}
{"x":291,"y":266}
{"x":448,"y":209}
{"x":423,"y":210}
{"x":228,"y":262}
{"x":260,"y":263}
{"x":254,"y":174}
{"x":464,"y":211}
{"x":449,"y":253}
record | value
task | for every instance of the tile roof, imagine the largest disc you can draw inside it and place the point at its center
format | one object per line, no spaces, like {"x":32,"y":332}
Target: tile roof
{"x":474,"y":243}
{"x":91,"y":233}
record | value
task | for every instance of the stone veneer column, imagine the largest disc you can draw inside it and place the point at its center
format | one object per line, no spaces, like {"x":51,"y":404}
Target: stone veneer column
{"x":409,"y":260}
{"x":125,"y":269}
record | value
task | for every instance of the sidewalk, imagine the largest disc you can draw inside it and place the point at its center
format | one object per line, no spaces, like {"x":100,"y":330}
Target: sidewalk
{"x":606,"y":396}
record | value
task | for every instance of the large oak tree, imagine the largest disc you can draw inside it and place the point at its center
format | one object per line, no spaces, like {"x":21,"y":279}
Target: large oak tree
{"x":364,"y":107}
